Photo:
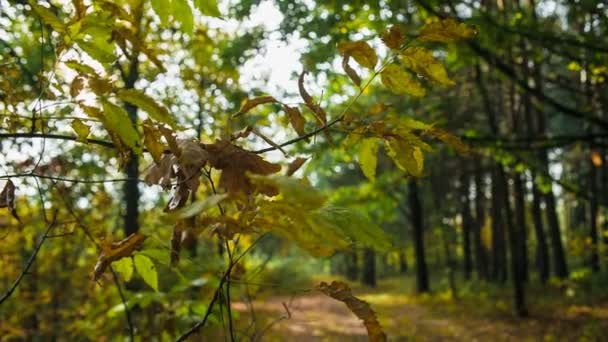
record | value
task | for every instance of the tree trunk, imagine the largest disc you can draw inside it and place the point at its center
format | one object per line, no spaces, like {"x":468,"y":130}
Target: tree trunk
{"x":481,"y":255}
{"x":542,"y":250}
{"x":467,"y":223}
{"x":520,"y":223}
{"x":519,"y":299}
{"x":422,"y":278}
{"x":402,"y":263}
{"x":594,"y":260}
{"x":499,"y":252}
{"x":352,"y":265}
{"x":368,"y":275}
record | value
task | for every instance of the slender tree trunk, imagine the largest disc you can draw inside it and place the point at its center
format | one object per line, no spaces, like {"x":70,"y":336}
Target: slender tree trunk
{"x":467,"y":226}
{"x":499,"y":252}
{"x":352,"y":265}
{"x":519,"y":295}
{"x":481,"y":254}
{"x":368,"y":274}
{"x":520,"y":223}
{"x":402,"y":263}
{"x":542,"y":250}
{"x":559,"y":256}
{"x":594,"y":260}
{"x":422,"y":278}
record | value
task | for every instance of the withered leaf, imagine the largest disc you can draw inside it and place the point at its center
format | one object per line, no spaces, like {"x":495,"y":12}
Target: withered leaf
{"x":361,"y":52}
{"x":113,"y":251}
{"x":100,"y":86}
{"x":162,"y":172}
{"x":352,"y":74}
{"x":76,"y":85}
{"x":235,"y":162}
{"x":295,"y":119}
{"x":254,"y":102}
{"x":320,"y":114}
{"x":171,"y":140}
{"x":340,"y":291}
{"x":393,"y":38}
{"x":7,"y":198}
{"x":295,"y":165}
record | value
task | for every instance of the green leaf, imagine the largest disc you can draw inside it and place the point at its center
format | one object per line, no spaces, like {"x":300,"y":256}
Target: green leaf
{"x":96,"y":53}
{"x":208,"y":7}
{"x":124,"y":267}
{"x":48,"y":17}
{"x":161,"y":8}
{"x":157,"y":111}
{"x":183,"y":14}
{"x":118,"y":122}
{"x":421,"y":61}
{"x":147,"y":270}
{"x":355,"y":226}
{"x":399,"y":82}
{"x":368,"y":157}
{"x":159,"y":254}
{"x":406,"y":156}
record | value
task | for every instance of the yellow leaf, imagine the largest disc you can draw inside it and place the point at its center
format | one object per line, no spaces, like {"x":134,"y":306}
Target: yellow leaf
{"x":152,"y":141}
{"x":340,"y":291}
{"x":445,"y":31}
{"x":406,"y":156}
{"x":368,"y":157}
{"x":399,"y":82}
{"x":147,"y":270}
{"x":118,"y":122}
{"x":254,"y":102}
{"x":156,"y":111}
{"x":82,"y":130}
{"x":421,"y":61}
{"x":361,"y":52}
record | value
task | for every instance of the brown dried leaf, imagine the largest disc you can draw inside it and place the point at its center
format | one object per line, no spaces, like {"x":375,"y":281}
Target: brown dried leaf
{"x":235,"y":162}
{"x":171,"y":140}
{"x":393,"y":38}
{"x":113,"y":251}
{"x":162,"y":172}
{"x":254,"y":102}
{"x":76,"y":86}
{"x":308,"y":100}
{"x":244,"y":133}
{"x":449,"y":139}
{"x":7,"y":198}
{"x":100,"y":86}
{"x":352,"y":74}
{"x":295,"y":165}
{"x":340,"y":291}
{"x":295,"y":119}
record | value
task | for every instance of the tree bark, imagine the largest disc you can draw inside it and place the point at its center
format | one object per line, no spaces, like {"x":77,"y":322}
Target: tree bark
{"x":467,"y":226}
{"x":368,"y":274}
{"x":481,"y":254}
{"x":542,"y":250}
{"x":520,"y":223}
{"x":422,"y":278}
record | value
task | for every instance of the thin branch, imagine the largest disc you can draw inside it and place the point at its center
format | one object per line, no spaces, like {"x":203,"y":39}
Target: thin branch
{"x":68,"y":180}
{"x":54,"y":136}
{"x":30,"y":260}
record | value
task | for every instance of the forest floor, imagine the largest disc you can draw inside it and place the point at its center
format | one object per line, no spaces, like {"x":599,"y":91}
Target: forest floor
{"x":475,"y":316}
